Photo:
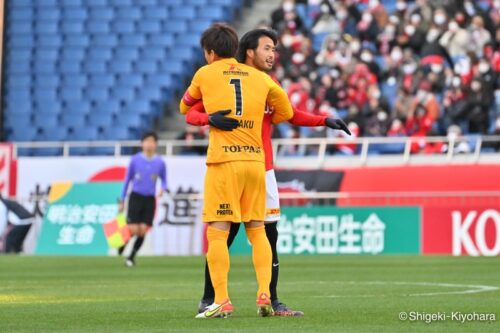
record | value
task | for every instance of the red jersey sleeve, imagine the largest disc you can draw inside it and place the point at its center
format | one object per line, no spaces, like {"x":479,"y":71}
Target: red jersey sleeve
{"x":301,"y":118}
{"x":196,"y":115}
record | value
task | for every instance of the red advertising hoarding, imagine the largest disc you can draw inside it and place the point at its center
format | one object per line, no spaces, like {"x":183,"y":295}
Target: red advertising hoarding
{"x":466,"y":230}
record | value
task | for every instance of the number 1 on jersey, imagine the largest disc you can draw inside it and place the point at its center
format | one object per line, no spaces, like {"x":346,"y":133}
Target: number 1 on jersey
{"x":237,"y":95}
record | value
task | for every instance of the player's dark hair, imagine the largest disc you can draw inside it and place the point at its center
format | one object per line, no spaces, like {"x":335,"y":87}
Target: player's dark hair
{"x":150,"y":134}
{"x":250,"y":41}
{"x":220,"y":38}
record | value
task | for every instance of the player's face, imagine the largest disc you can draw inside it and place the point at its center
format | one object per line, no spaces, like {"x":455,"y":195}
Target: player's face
{"x":149,"y":146}
{"x":263,"y":55}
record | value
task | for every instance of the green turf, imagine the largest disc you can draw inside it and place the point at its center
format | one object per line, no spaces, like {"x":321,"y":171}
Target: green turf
{"x":83,"y":294}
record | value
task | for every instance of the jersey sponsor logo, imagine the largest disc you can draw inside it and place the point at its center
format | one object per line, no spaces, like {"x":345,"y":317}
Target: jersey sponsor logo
{"x":241,"y":149}
{"x":246,"y":124}
{"x":224,"y":210}
{"x":235,"y":70}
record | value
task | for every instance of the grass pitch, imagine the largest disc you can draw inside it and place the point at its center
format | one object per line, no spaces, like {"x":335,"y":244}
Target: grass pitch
{"x":337,"y":294}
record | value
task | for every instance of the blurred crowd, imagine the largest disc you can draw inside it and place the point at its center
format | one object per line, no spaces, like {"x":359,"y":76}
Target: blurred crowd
{"x":391,"y":68}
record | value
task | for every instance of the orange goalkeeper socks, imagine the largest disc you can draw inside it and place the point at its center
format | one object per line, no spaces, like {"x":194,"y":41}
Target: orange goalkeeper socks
{"x":218,"y":262}
{"x":262,"y":257}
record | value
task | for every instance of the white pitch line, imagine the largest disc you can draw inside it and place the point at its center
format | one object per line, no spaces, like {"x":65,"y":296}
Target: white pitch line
{"x":471,"y":288}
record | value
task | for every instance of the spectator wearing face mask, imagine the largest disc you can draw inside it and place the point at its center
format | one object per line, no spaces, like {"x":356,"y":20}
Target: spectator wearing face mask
{"x":427,"y":100}
{"x":285,"y":16}
{"x":455,"y":104}
{"x":368,"y":59}
{"x":425,"y":11}
{"x":455,"y":40}
{"x":486,"y":74}
{"x":326,"y":21}
{"x":478,"y":36}
{"x":403,"y":105}
{"x":329,"y":55}
{"x":456,"y":141}
{"x":479,"y":102}
{"x":413,"y":34}
{"x":418,"y":125}
{"x":367,"y":28}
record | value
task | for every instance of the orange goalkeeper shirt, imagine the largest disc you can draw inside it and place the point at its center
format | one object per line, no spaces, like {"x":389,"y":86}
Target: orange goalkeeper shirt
{"x":228,"y":85}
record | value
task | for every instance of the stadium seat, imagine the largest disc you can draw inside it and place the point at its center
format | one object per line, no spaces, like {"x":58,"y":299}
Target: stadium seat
{"x":161,"y":39}
{"x":153,"y":53}
{"x":45,"y":67}
{"x":73,"y":119}
{"x":45,"y":120}
{"x":125,"y":26}
{"x":47,"y":80}
{"x":15,"y":68}
{"x":102,"y":120}
{"x":125,"y":3}
{"x":48,"y":14}
{"x":123,"y":93}
{"x":71,"y":94}
{"x":70,"y":67}
{"x":73,"y":54}
{"x":155,"y":12}
{"x":130,"y":80}
{"x":76,"y":40}
{"x":116,"y":133}
{"x":96,"y":3}
{"x":95,"y":67}
{"x":46,"y":55}
{"x":47,"y":27}
{"x":120,"y":66}
{"x":177,"y":27}
{"x":52,"y":107}
{"x":149,"y":27}
{"x":71,"y":3}
{"x":101,"y":80}
{"x":199,"y":25}
{"x":78,"y":107}
{"x":101,"y":13}
{"x":107,"y":107}
{"x":96,"y":93}
{"x":129,"y":13}
{"x":20,"y":28}
{"x":197,"y":3}
{"x":172,"y":67}
{"x":68,"y":27}
{"x":187,"y":13}
{"x":132,"y":40}
{"x":149,"y":66}
{"x":17,"y":120}
{"x":98,"y":27}
{"x":45,"y":94}
{"x":74,"y":14}
{"x":100,"y":54}
{"x":136,"y":107}
{"x":126,"y":54}
{"x":213,"y":13}
{"x":21,"y":41}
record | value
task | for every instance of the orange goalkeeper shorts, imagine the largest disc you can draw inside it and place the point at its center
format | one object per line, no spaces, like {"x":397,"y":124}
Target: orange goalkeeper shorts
{"x":235,"y":192}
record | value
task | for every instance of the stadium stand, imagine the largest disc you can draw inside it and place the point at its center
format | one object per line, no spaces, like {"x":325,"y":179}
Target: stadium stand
{"x":392,"y":68}
{"x":78,"y":69}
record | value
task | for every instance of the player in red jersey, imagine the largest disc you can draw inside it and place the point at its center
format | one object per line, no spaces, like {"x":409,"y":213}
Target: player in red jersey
{"x":257,"y":49}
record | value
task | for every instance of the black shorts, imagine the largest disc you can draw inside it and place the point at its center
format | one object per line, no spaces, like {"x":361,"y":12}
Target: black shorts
{"x":141,"y":209}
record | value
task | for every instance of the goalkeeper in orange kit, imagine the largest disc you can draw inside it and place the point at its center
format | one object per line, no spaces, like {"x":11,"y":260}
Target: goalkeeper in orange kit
{"x":235,"y":188}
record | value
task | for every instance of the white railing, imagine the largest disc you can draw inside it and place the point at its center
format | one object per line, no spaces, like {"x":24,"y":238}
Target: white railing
{"x":172,"y":147}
